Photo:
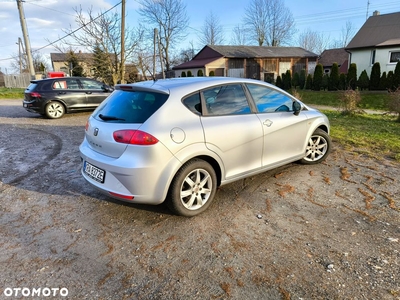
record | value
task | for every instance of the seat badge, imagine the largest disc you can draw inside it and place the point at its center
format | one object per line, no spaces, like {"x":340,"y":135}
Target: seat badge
{"x":96,"y":131}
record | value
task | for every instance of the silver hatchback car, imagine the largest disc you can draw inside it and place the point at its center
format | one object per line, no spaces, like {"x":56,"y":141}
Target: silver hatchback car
{"x":179,"y":139}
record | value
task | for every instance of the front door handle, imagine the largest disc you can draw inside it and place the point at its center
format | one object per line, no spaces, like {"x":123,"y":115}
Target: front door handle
{"x":268,"y":123}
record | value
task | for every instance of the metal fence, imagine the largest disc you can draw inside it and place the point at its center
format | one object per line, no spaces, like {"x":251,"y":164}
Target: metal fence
{"x":17,"y":81}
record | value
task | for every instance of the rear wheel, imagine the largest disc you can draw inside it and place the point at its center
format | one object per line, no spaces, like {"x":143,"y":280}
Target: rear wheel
{"x":318,"y":148}
{"x":54,"y":110}
{"x":192,"y":189}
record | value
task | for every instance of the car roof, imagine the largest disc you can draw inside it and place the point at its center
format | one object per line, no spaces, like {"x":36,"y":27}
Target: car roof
{"x":187,"y":83}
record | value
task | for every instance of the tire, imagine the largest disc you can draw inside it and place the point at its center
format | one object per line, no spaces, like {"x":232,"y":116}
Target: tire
{"x":318,"y":147}
{"x":54,"y":110}
{"x":192,"y":189}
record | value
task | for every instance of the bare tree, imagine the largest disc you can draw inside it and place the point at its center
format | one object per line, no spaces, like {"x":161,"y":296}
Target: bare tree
{"x":239,"y":36}
{"x":20,"y":63}
{"x":270,"y":22}
{"x":313,"y":41}
{"x":348,"y":32}
{"x":170,"y":17}
{"x":212,"y":32}
{"x":105,"y":32}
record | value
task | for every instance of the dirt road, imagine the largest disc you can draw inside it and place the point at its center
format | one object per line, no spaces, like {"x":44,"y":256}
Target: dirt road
{"x":330,"y":231}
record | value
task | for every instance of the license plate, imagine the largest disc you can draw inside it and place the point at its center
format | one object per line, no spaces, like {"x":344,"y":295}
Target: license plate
{"x":94,"y":172}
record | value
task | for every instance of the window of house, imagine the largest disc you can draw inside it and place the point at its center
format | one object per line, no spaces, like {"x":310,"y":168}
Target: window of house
{"x":373,"y":53}
{"x":269,"y":100}
{"x":394,"y":57}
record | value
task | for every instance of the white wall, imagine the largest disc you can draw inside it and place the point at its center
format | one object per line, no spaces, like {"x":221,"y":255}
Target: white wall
{"x":363,"y":59}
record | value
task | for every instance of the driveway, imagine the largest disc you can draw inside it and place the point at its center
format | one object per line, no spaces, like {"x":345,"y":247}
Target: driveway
{"x":329,"y":231}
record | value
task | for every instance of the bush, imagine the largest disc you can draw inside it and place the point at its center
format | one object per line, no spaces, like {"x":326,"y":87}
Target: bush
{"x":325,"y":81}
{"x":189,"y":74}
{"x":296,"y":80}
{"x":278,"y":82}
{"x":363,"y":81}
{"x":351,"y":81}
{"x":183,"y":74}
{"x":200,"y":73}
{"x":390,"y":81}
{"x":309,"y":82}
{"x":287,"y":80}
{"x":375,"y":77}
{"x":212,"y":73}
{"x":342,"y":81}
{"x":302,"y":79}
{"x":394,"y":103}
{"x":334,"y":78}
{"x":383,"y":83}
{"x":317,"y":79}
{"x":396,"y":76}
{"x":349,"y":101}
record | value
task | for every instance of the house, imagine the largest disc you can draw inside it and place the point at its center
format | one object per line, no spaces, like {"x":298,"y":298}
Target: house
{"x":331,"y":56}
{"x":378,"y":40}
{"x":59,"y":62}
{"x":258,"y":62}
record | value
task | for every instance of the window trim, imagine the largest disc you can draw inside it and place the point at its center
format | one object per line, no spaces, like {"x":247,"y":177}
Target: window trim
{"x":390,"y":56}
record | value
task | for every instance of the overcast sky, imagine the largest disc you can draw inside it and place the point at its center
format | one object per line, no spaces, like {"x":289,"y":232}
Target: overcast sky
{"x":46,"y":19}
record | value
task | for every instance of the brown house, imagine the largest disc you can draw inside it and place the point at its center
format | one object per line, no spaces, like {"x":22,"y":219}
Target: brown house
{"x":258,"y":62}
{"x":331,"y":56}
{"x":59,"y":62}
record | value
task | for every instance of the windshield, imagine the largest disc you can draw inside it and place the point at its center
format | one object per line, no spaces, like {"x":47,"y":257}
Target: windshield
{"x":129,"y":106}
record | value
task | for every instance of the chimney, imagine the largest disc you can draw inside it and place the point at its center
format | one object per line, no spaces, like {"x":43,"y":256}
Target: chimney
{"x":376,"y":13}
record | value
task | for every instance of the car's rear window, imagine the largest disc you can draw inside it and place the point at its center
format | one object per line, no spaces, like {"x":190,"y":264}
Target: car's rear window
{"x":129,"y":106}
{"x":31,"y":87}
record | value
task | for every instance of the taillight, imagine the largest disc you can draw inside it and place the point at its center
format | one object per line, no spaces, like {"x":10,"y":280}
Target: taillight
{"x":35,"y":95}
{"x":134,"y":137}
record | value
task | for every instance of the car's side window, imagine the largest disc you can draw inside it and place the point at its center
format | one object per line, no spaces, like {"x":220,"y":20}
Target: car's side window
{"x":226,"y":100}
{"x":193,"y":103}
{"x":91,"y":84}
{"x":269,"y":100}
{"x":60,"y":84}
{"x":73,"y":84}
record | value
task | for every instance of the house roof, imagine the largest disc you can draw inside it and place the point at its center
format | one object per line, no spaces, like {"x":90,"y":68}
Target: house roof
{"x":61,"y":57}
{"x":260,"y":51}
{"x":211,"y":53}
{"x":331,"y":56}
{"x":378,"y":31}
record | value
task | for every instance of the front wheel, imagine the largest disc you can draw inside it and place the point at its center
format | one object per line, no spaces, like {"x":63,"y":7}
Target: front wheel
{"x":192,"y":189}
{"x":318,"y":148}
{"x":54,"y":110}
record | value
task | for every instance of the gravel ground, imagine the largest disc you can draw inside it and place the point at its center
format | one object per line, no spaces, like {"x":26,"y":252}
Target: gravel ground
{"x":329,"y":231}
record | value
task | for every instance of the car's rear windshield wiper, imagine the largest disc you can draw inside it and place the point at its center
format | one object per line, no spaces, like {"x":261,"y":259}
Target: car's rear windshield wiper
{"x":110,"y":118}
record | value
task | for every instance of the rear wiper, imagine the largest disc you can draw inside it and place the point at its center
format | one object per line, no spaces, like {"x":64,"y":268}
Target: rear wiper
{"x":110,"y":118}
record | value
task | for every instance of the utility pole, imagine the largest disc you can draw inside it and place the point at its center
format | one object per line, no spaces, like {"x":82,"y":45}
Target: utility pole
{"x":26,"y":38}
{"x":123,"y":43}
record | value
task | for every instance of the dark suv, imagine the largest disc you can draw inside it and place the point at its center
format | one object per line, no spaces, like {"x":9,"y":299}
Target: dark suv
{"x":53,"y":97}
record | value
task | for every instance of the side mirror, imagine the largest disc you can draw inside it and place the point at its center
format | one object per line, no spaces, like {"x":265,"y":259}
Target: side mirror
{"x":296,"y":108}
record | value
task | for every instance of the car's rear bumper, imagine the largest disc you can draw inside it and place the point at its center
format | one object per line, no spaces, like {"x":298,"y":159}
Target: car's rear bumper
{"x":145,"y":177}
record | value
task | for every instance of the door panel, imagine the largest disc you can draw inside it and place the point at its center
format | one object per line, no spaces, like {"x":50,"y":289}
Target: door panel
{"x":237,"y":139}
{"x":284,"y":136}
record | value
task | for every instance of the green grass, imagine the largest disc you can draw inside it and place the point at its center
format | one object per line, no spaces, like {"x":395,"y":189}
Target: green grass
{"x":375,"y":135}
{"x":369,"y":100}
{"x":11,"y":93}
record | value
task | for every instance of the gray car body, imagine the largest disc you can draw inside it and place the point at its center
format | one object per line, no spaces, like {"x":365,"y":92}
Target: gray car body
{"x":237,"y":146}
